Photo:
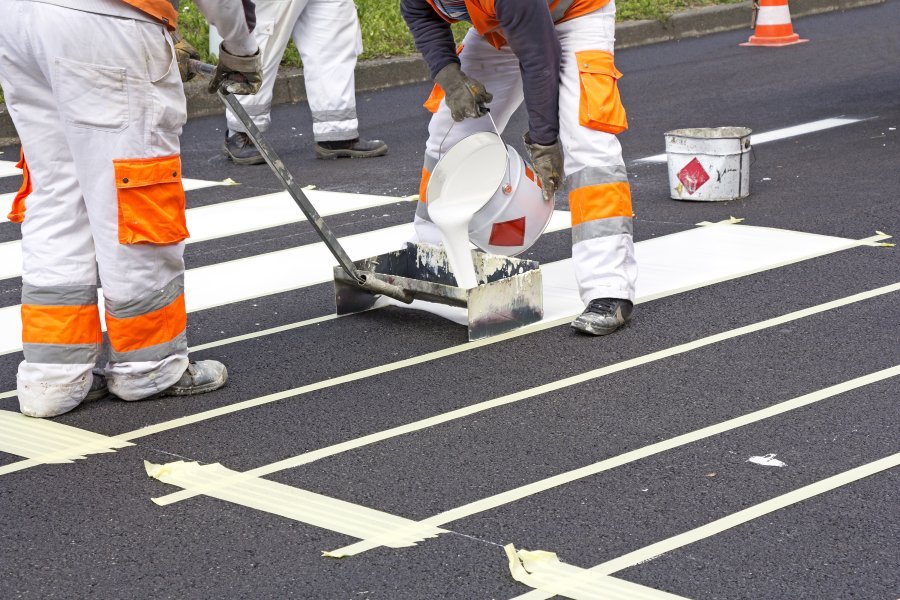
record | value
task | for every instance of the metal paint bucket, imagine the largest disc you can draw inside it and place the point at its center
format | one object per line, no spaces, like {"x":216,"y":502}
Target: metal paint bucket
{"x":709,"y":164}
{"x":514,"y":213}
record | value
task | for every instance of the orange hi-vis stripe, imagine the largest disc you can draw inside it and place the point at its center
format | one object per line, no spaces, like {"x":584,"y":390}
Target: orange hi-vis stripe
{"x":61,"y":324}
{"x":160,"y":9}
{"x":143,"y":331}
{"x":423,"y":184}
{"x":600,"y":201}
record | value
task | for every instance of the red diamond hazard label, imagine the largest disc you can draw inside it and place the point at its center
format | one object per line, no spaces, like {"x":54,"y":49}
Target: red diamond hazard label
{"x":693,"y":176}
{"x":508,"y":233}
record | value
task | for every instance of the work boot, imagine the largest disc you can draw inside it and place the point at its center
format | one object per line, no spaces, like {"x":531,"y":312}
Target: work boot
{"x":603,"y":316}
{"x":98,"y":390}
{"x":199,"y":377}
{"x":241,"y":150}
{"x":355,"y":148}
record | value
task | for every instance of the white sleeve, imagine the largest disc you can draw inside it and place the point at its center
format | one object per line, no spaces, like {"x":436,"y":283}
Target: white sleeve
{"x":229,"y":19}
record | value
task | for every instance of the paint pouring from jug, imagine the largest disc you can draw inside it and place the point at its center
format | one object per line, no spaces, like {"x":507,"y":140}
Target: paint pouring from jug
{"x":467,"y":177}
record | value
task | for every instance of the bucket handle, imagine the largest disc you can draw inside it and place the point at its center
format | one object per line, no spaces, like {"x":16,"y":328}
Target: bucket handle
{"x":485,"y":111}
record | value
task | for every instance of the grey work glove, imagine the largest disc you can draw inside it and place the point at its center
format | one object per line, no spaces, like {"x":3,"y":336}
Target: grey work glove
{"x":548,"y":164}
{"x":465,"y":97}
{"x":184,"y":53}
{"x":240,"y":75}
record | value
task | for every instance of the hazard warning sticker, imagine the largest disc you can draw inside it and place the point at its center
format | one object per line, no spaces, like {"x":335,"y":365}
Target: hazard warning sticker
{"x":693,"y":176}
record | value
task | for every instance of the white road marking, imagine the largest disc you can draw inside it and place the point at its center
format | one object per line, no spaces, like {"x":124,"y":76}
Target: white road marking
{"x":8,"y":169}
{"x":779,"y":134}
{"x":263,"y":274}
{"x":537,"y":487}
{"x":234,"y":217}
{"x":733,"y":520}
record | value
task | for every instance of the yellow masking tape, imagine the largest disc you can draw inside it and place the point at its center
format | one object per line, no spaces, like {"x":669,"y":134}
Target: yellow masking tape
{"x":545,"y":572}
{"x":537,"y":487}
{"x":43,"y":442}
{"x":287,"y":501}
{"x":739,"y":518}
{"x":553,"y":386}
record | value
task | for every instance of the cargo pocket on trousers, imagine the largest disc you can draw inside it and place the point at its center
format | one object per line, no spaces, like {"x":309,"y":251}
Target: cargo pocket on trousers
{"x":92,"y":96}
{"x":151,"y":200}
{"x":600,"y":106}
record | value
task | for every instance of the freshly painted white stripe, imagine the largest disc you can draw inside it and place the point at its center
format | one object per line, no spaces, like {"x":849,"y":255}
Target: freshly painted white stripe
{"x":44,"y":442}
{"x":236,"y":217}
{"x":545,"y":572}
{"x":189,"y":185}
{"x":262,"y":275}
{"x":8,"y":168}
{"x":543,"y":485}
{"x":284,"y":500}
{"x":779,"y":134}
{"x":739,"y":518}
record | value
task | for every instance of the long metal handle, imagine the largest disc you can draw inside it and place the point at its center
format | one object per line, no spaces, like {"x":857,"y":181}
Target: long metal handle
{"x":291,"y":186}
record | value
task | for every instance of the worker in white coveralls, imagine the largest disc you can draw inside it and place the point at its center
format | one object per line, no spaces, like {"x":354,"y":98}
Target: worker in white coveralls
{"x":328,"y":37}
{"x":96,"y":97}
{"x":557,"y":56}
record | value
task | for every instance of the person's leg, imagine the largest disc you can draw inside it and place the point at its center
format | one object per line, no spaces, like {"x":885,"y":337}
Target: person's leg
{"x":596,"y":180}
{"x":275,"y":21}
{"x":329,"y":39}
{"x":60,"y":321}
{"x":498,"y":71}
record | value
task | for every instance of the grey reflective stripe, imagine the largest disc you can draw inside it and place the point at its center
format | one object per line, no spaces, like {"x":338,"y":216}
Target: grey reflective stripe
{"x":329,"y":116}
{"x":61,"y":354}
{"x":602,"y":228}
{"x":59,"y":295}
{"x":430,"y":162}
{"x":560,"y":11}
{"x":152,"y":353}
{"x":155,"y":300}
{"x":422,"y":211}
{"x":596,"y":176}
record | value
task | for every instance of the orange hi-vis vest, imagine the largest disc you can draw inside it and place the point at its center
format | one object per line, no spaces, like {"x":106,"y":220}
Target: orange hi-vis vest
{"x":484,"y":16}
{"x":158,"y":9}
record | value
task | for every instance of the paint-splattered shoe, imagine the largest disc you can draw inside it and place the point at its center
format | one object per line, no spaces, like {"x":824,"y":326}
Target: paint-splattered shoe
{"x":603,"y":316}
{"x":199,"y":378}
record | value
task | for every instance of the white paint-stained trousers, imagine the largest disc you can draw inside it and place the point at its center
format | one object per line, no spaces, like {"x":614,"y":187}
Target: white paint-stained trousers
{"x":596,"y":181}
{"x":98,"y":104}
{"x":328,"y":37}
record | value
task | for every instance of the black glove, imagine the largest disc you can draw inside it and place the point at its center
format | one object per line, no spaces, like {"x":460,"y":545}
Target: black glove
{"x":465,"y":97}
{"x":548,"y":164}
{"x":184,"y":52}
{"x":240,"y":75}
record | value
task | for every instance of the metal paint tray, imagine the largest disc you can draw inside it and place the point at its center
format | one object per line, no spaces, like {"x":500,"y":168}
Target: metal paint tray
{"x":508,"y":296}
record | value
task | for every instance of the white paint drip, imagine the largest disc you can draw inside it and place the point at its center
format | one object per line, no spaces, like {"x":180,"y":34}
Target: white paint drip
{"x":768,"y":460}
{"x":465,"y":184}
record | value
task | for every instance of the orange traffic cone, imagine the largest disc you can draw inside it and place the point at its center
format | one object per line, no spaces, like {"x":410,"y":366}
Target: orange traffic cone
{"x":773,"y":25}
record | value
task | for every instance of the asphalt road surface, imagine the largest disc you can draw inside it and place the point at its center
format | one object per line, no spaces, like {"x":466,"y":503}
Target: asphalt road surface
{"x":631,"y":453}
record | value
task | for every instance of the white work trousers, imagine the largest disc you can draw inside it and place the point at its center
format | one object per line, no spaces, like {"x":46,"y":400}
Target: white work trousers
{"x":85,"y":90}
{"x":602,"y":249}
{"x":328,"y":37}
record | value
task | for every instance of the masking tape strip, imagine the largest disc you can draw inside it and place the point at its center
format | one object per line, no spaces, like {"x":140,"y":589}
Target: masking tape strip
{"x":544,"y":571}
{"x":728,"y":221}
{"x":543,"y":485}
{"x":733,"y":520}
{"x":553,"y":386}
{"x":262,"y":333}
{"x":44,"y":442}
{"x":286,"y":501}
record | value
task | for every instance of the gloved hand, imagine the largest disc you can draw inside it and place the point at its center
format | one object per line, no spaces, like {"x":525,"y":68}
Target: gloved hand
{"x":234,"y":74}
{"x":548,"y":164}
{"x":465,"y":97}
{"x":184,"y":52}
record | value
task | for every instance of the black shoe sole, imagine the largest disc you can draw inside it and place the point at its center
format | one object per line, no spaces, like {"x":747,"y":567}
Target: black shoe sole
{"x":248,"y":160}
{"x":327,"y":154}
